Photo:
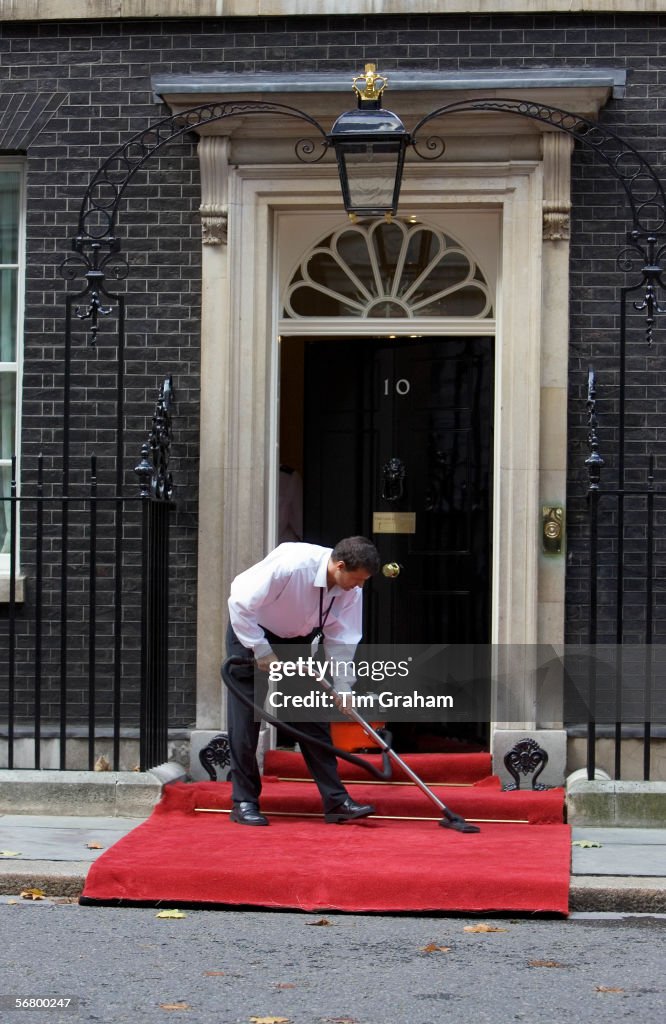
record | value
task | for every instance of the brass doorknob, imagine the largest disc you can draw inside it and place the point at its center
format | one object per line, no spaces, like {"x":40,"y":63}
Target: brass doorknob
{"x":391,"y":570}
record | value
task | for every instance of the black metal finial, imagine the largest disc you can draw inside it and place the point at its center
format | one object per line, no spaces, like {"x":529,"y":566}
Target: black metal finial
{"x":144,"y":471}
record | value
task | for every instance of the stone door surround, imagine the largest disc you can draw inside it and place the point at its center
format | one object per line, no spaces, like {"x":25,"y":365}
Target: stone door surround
{"x":252,"y":186}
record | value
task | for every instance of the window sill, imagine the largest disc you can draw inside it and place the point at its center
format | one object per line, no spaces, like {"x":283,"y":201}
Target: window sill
{"x":19,"y":589}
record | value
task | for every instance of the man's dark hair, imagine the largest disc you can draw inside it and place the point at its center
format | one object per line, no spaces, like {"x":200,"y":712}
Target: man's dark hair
{"x":357,"y":553}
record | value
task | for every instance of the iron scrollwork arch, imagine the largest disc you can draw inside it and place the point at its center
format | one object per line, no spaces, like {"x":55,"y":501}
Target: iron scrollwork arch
{"x":112,"y":178}
{"x":96,"y":246}
{"x":98,"y":213}
{"x":636,"y":175}
{"x":614,"y":150}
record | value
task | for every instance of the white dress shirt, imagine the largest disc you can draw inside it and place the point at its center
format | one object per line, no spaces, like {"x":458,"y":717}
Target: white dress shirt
{"x":282,"y":594}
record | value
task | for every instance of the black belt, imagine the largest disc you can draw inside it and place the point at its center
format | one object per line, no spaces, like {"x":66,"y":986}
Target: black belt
{"x":273,"y":638}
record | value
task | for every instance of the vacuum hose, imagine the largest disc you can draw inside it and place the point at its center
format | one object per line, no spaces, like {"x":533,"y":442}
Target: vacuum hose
{"x":383,"y":775}
{"x":449,"y":820}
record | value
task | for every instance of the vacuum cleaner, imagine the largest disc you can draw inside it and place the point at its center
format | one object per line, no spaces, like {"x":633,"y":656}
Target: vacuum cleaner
{"x":381,"y":737}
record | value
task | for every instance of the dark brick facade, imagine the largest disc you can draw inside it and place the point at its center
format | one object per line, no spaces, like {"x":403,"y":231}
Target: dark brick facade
{"x":103,"y":70}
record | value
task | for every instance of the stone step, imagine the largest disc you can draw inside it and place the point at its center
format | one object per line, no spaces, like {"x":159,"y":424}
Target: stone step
{"x":113,"y":794}
{"x":608,"y":803}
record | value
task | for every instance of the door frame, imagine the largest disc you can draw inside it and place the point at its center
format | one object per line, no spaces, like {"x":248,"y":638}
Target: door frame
{"x":240,"y":355}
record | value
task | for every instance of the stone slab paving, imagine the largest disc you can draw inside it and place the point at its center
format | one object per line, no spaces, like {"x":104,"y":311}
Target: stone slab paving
{"x":634,"y":852}
{"x":45,"y":838}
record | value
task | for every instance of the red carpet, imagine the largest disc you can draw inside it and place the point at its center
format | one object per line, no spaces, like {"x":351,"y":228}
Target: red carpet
{"x":429,"y":767}
{"x":519,"y":861}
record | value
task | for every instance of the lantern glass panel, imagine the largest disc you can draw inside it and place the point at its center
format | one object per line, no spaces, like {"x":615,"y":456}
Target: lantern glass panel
{"x":370,"y":171}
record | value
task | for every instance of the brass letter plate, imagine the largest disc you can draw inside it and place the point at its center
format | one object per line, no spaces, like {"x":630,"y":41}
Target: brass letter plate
{"x":394,"y":522}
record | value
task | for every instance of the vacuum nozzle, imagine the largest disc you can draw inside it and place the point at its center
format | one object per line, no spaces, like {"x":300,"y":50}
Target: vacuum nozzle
{"x":458,"y":824}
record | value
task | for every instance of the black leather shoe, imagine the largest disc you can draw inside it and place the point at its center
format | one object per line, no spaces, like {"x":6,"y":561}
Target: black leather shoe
{"x":247,"y":813}
{"x":348,"y":811}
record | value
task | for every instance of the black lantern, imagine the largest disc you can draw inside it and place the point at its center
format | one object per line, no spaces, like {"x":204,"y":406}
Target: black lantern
{"x":370,"y":146}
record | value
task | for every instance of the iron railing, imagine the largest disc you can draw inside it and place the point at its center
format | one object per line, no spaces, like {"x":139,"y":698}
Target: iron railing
{"x":624,"y":690}
{"x":84,"y":655}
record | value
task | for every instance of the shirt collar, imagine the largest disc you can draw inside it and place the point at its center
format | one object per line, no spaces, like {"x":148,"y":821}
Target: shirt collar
{"x":320,"y":576}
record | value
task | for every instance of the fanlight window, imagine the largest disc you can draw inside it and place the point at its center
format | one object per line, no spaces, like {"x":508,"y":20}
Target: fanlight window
{"x":382,"y":269}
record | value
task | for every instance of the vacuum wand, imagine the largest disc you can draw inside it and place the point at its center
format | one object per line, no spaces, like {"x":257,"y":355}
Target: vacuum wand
{"x":450,"y":819}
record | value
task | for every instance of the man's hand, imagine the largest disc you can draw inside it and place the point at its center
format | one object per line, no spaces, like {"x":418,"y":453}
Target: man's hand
{"x":342,"y":704}
{"x":264,"y":663}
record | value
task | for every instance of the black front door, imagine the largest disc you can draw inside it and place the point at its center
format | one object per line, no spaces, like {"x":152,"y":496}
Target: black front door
{"x":398,"y":447}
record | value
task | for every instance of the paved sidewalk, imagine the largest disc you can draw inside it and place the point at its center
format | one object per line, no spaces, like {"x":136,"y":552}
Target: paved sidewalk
{"x":52,"y":852}
{"x":625,"y":872}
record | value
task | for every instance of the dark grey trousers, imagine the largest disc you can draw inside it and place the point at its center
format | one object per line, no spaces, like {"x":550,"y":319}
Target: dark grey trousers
{"x":244,"y":735}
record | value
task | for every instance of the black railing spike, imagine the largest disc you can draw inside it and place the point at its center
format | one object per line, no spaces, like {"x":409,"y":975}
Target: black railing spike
{"x":153,"y":469}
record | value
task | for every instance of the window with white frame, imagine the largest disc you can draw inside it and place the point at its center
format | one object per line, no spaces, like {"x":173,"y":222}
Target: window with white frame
{"x":12,"y":272}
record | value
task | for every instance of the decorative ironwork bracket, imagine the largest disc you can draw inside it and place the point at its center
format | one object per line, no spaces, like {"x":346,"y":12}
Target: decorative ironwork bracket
{"x":525,"y":758}
{"x":215,"y":755}
{"x":93,"y":263}
{"x":651,"y":252}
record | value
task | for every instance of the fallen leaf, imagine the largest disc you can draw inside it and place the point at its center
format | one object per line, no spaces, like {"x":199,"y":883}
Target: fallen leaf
{"x":433,"y":948}
{"x":12,"y":903}
{"x":171,"y":913}
{"x":101,"y":764}
{"x":32,"y":894}
{"x":270,"y":1020}
{"x":94,"y":846}
{"x":545,"y":963}
{"x":607,"y":988}
{"x":284,"y":984}
{"x":214,"y":974}
{"x":175,"y":1006}
{"x":61,"y":900}
{"x":320,"y":923}
{"x":9,"y":853}
{"x":586,"y":844}
{"x":483,"y":928}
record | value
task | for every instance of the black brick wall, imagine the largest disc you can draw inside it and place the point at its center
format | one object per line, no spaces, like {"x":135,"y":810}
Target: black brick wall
{"x":104,"y":68}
